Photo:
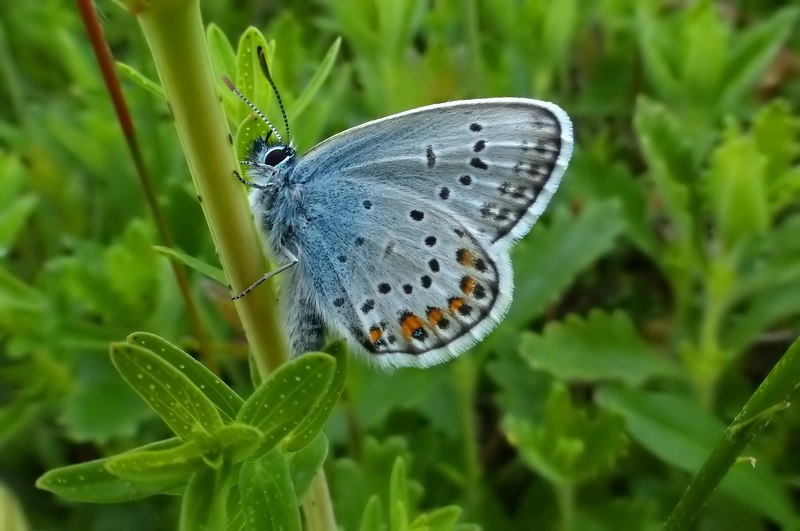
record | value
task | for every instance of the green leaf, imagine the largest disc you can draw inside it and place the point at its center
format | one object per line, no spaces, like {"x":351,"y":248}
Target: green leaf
{"x":705,"y":46}
{"x":372,"y":518}
{"x":736,"y":188}
{"x":180,"y":403}
{"x":305,"y":463}
{"x":12,"y":512}
{"x":601,"y":347}
{"x":100,"y":407}
{"x":657,"y":66}
{"x":315,"y":83}
{"x":239,"y":441}
{"x":208,"y":270}
{"x":398,"y":497}
{"x":670,"y":158}
{"x":203,"y":504}
{"x":442,"y":518}
{"x":223,"y":57}
{"x":362,"y":479}
{"x":268,"y":499}
{"x":566,"y":446}
{"x":315,"y":421}
{"x":280,"y":404}
{"x":92,"y":482}
{"x":13,"y":218}
{"x":249,"y":79}
{"x":547,"y":261}
{"x":681,"y":434}
{"x":142,"y":80}
{"x":752,"y":52}
{"x":777,"y":133}
{"x":177,"y":463}
{"x":225,"y":398}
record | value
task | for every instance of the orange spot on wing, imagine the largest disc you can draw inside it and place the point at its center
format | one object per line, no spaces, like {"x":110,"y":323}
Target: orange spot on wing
{"x":375,"y":334}
{"x":456,"y":303}
{"x":465,"y":257}
{"x":435,"y":316}
{"x":410,"y":323}
{"x":468,"y":285}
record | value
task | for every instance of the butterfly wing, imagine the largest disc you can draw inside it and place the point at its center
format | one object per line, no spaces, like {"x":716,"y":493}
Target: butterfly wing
{"x":412,"y":217}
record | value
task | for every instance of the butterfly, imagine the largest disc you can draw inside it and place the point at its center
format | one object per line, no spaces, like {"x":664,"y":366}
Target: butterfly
{"x":396,"y":233}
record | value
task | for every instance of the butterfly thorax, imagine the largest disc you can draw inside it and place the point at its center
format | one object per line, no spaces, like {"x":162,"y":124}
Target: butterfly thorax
{"x":276,"y":199}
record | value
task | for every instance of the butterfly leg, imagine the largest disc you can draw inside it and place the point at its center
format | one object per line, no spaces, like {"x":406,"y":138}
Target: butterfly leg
{"x":247,"y":183}
{"x":267,"y":276}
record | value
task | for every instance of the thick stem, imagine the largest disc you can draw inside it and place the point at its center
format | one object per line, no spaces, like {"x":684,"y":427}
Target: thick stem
{"x":174,"y":32}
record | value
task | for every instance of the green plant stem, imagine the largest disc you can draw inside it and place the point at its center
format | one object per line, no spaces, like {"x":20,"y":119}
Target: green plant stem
{"x":771,"y":396}
{"x":175,"y":35}
{"x":465,"y":381}
{"x":317,"y":506}
{"x":566,"y":505}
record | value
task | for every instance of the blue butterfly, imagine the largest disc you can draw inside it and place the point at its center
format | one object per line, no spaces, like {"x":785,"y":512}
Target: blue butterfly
{"x":396,"y":233}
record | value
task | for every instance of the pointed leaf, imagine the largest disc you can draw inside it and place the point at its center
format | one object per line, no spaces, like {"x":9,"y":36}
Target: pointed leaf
{"x":305,"y":463}
{"x":267,"y":494}
{"x":249,"y":79}
{"x":177,"y":463}
{"x":203,"y":504}
{"x":225,"y":398}
{"x":174,"y":397}
{"x":398,"y":497}
{"x":315,"y":83}
{"x":13,"y":218}
{"x":736,"y":188}
{"x":315,"y":421}
{"x":142,"y":80}
{"x":92,"y":482}
{"x":442,"y":518}
{"x":214,"y":273}
{"x":280,"y":404}
{"x":752,"y":53}
{"x":373,"y":515}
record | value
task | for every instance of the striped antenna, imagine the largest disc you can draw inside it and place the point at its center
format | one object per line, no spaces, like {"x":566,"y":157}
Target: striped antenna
{"x":255,"y":109}
{"x":264,"y":68}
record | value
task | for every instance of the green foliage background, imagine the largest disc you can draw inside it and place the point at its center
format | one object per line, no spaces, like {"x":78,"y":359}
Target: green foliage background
{"x":651,"y":300}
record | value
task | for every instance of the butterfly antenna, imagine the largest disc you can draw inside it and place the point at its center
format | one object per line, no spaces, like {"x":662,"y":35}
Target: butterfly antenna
{"x":254,"y":108}
{"x":264,"y":68}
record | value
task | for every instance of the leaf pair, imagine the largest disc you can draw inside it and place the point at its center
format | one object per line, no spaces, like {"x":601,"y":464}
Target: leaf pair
{"x":216,"y":430}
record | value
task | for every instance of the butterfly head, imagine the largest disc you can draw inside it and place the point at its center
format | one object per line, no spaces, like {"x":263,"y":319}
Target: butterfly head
{"x":268,"y":162}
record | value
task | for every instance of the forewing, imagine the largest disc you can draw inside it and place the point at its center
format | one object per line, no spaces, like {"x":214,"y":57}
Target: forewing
{"x":494,"y":162}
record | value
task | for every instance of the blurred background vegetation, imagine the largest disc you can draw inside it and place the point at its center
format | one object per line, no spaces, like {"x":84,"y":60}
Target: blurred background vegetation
{"x":659,"y":289}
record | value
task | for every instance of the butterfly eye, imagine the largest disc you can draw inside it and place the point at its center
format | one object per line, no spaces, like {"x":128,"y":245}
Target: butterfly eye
{"x":276,"y":156}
